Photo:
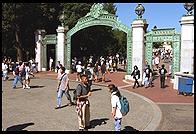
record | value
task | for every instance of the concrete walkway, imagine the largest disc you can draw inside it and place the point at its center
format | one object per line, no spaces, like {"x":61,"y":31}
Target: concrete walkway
{"x":33,"y":109}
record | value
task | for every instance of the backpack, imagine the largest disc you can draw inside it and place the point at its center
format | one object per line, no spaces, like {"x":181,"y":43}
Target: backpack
{"x":124,"y":105}
{"x":23,"y":72}
{"x":88,"y":73}
{"x":74,"y":93}
{"x":16,"y":70}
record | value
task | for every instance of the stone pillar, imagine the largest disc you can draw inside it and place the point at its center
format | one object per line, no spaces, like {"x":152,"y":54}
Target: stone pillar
{"x":39,"y":48}
{"x":138,"y":30}
{"x":60,"y":53}
{"x":61,"y":45}
{"x":187,"y":44}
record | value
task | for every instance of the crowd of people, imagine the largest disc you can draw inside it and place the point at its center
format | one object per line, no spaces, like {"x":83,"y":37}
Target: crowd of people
{"x":98,"y":67}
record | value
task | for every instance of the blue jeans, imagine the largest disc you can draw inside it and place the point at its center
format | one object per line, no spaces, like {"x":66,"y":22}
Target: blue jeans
{"x":16,"y":79}
{"x":60,"y":95}
{"x":117,"y":124}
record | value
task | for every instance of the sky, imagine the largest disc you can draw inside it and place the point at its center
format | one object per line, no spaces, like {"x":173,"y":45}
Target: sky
{"x":163,"y":15}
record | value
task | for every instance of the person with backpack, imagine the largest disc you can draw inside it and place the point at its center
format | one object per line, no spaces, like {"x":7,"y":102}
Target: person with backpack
{"x":116,"y":106}
{"x":17,"y":76}
{"x":103,"y":71}
{"x":22,"y":74}
{"x":27,"y":75}
{"x":148,"y":77}
{"x":63,"y":88}
{"x":82,"y":93}
{"x":136,"y":76}
{"x":162,"y":73}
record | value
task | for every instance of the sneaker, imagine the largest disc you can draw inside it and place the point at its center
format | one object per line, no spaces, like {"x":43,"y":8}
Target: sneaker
{"x":28,"y":87}
{"x":23,"y":86}
{"x":57,"y":107}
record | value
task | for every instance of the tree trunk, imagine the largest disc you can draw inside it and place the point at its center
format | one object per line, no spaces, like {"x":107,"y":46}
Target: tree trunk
{"x":18,"y":46}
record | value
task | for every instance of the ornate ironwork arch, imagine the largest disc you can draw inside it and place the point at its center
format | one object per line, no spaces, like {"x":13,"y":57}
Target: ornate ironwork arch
{"x":99,"y":16}
{"x":164,"y":35}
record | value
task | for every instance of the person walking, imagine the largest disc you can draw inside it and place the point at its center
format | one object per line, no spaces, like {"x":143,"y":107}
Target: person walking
{"x":148,"y":77}
{"x":17,"y":77}
{"x":162,"y":73}
{"x":63,"y":88}
{"x":5,"y":70}
{"x":27,"y":75}
{"x":82,"y":104}
{"x":79,"y":70}
{"x":136,"y":76}
{"x":116,"y":106}
{"x":103,"y":71}
{"x":50,"y":63}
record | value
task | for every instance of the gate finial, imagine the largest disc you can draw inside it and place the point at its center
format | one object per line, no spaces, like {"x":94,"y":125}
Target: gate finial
{"x":139,"y":10}
{"x":189,"y":7}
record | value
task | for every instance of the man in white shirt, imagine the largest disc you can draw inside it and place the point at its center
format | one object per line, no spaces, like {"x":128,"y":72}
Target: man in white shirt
{"x":116,"y":106}
{"x":157,"y":61}
{"x":63,"y":88}
{"x":50,"y":63}
{"x":4,"y":70}
{"x":79,"y":69}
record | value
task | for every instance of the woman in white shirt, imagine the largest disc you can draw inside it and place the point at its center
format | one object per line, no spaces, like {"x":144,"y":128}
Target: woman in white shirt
{"x":116,"y":106}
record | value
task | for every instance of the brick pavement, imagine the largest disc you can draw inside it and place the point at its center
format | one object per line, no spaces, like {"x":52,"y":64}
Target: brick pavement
{"x":156,"y":94}
{"x":33,"y":109}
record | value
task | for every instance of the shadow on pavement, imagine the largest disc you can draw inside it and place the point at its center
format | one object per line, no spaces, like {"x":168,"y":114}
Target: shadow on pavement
{"x":10,"y":79}
{"x":96,"y":89}
{"x":71,"y":89}
{"x":99,"y":122}
{"x":19,"y":127}
{"x":129,"y":128}
{"x":37,"y":86}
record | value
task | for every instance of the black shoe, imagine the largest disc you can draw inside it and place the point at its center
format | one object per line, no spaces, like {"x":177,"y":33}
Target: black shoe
{"x":57,"y":107}
{"x":88,"y":127}
{"x":85,"y":129}
{"x":81,"y":129}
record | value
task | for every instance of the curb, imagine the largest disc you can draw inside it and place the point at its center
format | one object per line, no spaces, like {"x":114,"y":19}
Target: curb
{"x":157,"y":114}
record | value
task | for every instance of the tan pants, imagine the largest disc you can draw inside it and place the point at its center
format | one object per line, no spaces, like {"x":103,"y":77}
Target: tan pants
{"x":84,"y":119}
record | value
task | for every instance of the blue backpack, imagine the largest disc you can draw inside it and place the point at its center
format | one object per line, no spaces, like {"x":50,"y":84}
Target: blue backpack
{"x":124,"y":105}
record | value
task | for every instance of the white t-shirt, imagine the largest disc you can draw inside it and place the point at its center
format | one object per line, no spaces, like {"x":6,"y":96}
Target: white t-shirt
{"x":27,"y":70}
{"x":51,"y":61}
{"x":64,"y":81}
{"x":116,"y":103}
{"x":4,"y":67}
{"x":156,"y":60}
{"x":79,"y":68}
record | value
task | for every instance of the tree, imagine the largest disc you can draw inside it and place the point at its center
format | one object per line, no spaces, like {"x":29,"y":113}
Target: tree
{"x":21,"y":20}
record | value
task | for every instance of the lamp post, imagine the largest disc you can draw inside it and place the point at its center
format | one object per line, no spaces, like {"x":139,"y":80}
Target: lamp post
{"x":189,"y":7}
{"x":139,"y":10}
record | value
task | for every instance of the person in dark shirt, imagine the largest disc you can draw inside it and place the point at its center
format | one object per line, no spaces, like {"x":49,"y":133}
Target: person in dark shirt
{"x":83,"y":104}
{"x":136,"y":76}
{"x":162,"y":73}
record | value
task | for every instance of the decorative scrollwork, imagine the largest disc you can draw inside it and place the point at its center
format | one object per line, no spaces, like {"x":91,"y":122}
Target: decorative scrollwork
{"x":96,"y":10}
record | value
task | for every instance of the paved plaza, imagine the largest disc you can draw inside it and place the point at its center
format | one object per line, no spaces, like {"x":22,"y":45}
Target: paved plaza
{"x":33,"y":109}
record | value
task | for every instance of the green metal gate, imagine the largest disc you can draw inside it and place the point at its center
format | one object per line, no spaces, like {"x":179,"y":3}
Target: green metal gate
{"x":164,"y":35}
{"x":99,"y":16}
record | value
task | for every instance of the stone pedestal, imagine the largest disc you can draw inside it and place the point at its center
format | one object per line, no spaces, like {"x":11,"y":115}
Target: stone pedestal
{"x":138,"y":31}
{"x":187,"y":44}
{"x":39,"y":50}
